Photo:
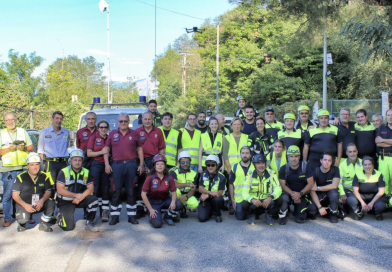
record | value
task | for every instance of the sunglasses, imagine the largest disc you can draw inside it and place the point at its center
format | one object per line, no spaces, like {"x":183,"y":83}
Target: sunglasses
{"x":103,"y":127}
{"x":123,"y":121}
{"x":211,"y":165}
{"x":185,"y":162}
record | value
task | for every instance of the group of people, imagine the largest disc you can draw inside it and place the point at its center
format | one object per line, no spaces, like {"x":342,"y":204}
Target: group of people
{"x":258,"y":165}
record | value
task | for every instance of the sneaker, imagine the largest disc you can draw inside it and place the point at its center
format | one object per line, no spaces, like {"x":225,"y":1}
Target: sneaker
{"x":43,"y":226}
{"x":105,"y":216}
{"x":333,"y":218}
{"x":379,"y":217}
{"x":299,"y":220}
{"x":283,"y":221}
{"x":175,"y":217}
{"x":251,"y":220}
{"x":90,"y":226}
{"x":53,"y":219}
{"x":268,"y":219}
{"x":21,"y":228}
{"x":358,"y":216}
{"x":218,"y":219}
{"x":168,"y":221}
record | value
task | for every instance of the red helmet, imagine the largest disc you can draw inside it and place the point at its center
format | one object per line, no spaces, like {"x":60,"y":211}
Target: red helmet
{"x":159,"y":157}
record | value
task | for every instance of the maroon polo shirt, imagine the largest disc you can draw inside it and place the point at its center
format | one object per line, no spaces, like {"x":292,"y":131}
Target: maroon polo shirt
{"x":151,"y":142}
{"x":157,"y":188}
{"x":96,"y":144}
{"x":82,"y":137}
{"x":123,"y":147}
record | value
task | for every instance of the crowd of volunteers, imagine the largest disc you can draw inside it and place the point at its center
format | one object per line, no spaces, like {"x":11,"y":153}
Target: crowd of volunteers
{"x":257,"y":166}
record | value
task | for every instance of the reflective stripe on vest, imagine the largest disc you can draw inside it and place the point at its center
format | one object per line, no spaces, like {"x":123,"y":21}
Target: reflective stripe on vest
{"x":208,"y":149}
{"x":239,"y":182}
{"x":188,"y":177}
{"x":191,"y":145}
{"x":71,"y":184}
{"x":171,"y":145}
{"x":233,"y":152}
{"x":16,"y":157}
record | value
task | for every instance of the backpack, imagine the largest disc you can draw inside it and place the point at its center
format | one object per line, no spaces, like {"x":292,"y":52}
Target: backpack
{"x":303,"y":170}
{"x":317,"y":172}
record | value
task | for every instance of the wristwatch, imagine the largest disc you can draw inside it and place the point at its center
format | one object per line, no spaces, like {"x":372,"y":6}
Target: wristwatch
{"x":318,"y":188}
{"x":301,"y":193}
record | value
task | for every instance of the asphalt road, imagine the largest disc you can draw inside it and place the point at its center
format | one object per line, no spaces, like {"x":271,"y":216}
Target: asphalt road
{"x":192,"y":246}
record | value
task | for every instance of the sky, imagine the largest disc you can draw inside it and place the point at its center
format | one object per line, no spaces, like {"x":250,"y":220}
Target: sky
{"x":55,"y":28}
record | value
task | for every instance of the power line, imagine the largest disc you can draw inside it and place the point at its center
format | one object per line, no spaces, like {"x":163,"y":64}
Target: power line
{"x":172,"y":11}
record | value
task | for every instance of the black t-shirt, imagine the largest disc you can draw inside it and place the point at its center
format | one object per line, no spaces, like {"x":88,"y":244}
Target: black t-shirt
{"x":296,"y":180}
{"x":249,"y":128}
{"x":348,"y":135}
{"x":325,"y":178}
{"x":386,"y":133}
{"x":369,"y":187}
{"x":323,"y":140}
{"x":202,"y":130}
{"x":25,"y":185}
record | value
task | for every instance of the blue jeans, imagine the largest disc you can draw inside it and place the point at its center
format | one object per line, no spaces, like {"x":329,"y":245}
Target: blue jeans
{"x":8,"y":180}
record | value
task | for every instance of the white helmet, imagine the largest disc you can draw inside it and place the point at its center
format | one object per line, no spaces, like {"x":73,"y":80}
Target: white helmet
{"x":33,"y":157}
{"x":212,"y":158}
{"x":76,"y":153}
{"x":184,"y":154}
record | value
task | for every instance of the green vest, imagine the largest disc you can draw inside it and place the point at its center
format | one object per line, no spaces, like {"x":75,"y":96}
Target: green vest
{"x":208,"y":149}
{"x":234,"y":150}
{"x":347,"y":172}
{"x":171,"y":145}
{"x":267,"y":186}
{"x":16,"y":157}
{"x":76,"y":185}
{"x":191,"y":145}
{"x":214,"y":186}
{"x":239,"y":182}
{"x":184,"y":177}
{"x":271,"y":162}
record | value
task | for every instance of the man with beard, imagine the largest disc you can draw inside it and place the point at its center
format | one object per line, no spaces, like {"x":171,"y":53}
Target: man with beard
{"x":237,"y":180}
{"x":201,"y":122}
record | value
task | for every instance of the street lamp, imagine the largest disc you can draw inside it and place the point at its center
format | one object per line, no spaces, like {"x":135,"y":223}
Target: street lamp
{"x":104,"y":6}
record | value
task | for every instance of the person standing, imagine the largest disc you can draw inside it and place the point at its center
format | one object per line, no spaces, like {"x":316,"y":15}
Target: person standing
{"x":84,"y":134}
{"x":259,"y":141}
{"x":172,"y":139}
{"x":366,"y":133}
{"x":347,"y":129}
{"x":15,"y":146}
{"x":221,"y":121}
{"x":289,"y":135}
{"x":201,"y":122}
{"x":156,"y":117}
{"x":190,"y":141}
{"x":53,"y":145}
{"x":377,"y":120}
{"x":125,"y":146}
{"x":272,"y":126}
{"x":249,"y":121}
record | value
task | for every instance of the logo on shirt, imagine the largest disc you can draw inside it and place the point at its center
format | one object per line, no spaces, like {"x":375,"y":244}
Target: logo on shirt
{"x":85,"y":134}
{"x":384,"y":132}
{"x":166,"y":183}
{"x":99,"y":140}
{"x":50,"y":136}
{"x":155,"y":181}
{"x":130,"y":138}
{"x":115,"y":135}
{"x":218,"y":144}
{"x":85,"y":179}
{"x":156,"y":136}
{"x":172,"y":138}
{"x":141,"y":133}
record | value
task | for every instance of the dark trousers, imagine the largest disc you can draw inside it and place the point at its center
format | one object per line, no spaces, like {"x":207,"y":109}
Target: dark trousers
{"x":66,"y":211}
{"x":212,"y":204}
{"x":53,"y":168}
{"x":330,"y":198}
{"x":300,"y":209}
{"x":123,"y":175}
{"x":158,"y":205}
{"x":22,"y":216}
{"x":272,"y":208}
{"x":378,"y":207}
{"x":101,"y":184}
{"x":239,"y":211}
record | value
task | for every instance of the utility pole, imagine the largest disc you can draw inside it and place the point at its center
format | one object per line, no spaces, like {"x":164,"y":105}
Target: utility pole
{"x":184,"y":67}
{"x":217,"y":68}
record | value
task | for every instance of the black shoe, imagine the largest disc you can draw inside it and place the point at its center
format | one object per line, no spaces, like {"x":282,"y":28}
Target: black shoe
{"x":133,"y":220}
{"x":53,"y":220}
{"x":43,"y":226}
{"x":283,"y":221}
{"x":333,"y":218}
{"x":224,"y":208}
{"x":175,"y":218}
{"x":231,"y":211}
{"x":300,"y":220}
{"x":183,"y":215}
{"x":168,"y":221}
{"x":218,"y":219}
{"x":268,"y":219}
{"x":21,"y":228}
{"x":358,"y":216}
{"x":251,"y":219}
{"x":114,"y":221}
{"x":275,"y":216}
{"x":312,"y":216}
{"x":105,"y":216}
{"x":379,"y":217}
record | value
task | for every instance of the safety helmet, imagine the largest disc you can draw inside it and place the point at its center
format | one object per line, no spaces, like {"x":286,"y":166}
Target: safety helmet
{"x":259,"y":158}
{"x":322,"y":112}
{"x":33,"y":157}
{"x":289,"y":116}
{"x":240,"y":97}
{"x":212,"y":158}
{"x":184,"y":154}
{"x":76,"y":153}
{"x":303,"y":107}
{"x":293,"y":150}
{"x":159,"y":157}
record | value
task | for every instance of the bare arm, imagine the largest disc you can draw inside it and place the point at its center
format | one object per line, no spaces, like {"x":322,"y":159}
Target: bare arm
{"x":306,"y":152}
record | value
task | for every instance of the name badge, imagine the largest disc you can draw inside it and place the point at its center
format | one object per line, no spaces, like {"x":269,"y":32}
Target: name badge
{"x":98,"y":143}
{"x":116,"y":139}
{"x":34,"y":199}
{"x":85,"y":138}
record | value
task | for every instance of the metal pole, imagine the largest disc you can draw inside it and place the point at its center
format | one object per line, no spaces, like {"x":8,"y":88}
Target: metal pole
{"x":325,"y":71}
{"x":155,"y":81}
{"x":184,"y":75}
{"x":217,"y":68}
{"x":109,"y":100}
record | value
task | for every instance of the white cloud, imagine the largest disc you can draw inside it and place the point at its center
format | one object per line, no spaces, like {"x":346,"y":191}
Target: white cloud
{"x":98,"y":52}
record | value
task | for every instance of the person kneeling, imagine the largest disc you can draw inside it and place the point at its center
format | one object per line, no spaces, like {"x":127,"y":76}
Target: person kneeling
{"x":211,"y":186}
{"x":75,"y":186}
{"x":156,"y":194}
{"x":262,"y":191}
{"x":31,"y":192}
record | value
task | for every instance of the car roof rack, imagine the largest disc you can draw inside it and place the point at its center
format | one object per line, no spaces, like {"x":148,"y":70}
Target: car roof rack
{"x":111,"y":105}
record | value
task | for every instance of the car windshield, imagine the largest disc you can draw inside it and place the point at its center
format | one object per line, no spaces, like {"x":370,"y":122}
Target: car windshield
{"x":112,"y":120}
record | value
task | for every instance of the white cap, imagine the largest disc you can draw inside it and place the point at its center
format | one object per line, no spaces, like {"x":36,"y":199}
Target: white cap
{"x":184,"y":154}
{"x":212,"y":158}
{"x":76,"y":153}
{"x":33,"y":157}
